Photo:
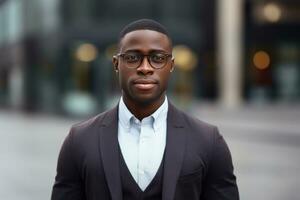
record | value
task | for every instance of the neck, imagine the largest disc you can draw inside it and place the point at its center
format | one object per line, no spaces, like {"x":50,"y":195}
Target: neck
{"x":143,"y":109}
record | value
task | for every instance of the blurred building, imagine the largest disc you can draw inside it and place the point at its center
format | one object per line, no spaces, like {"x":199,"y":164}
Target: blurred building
{"x":272,"y":51}
{"x":56,"y":54}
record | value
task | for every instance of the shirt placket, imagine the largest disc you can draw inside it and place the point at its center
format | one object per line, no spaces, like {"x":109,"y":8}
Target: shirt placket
{"x":143,"y":155}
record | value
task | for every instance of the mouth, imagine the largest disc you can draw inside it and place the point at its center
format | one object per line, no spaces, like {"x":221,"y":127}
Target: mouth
{"x":145,"y":84}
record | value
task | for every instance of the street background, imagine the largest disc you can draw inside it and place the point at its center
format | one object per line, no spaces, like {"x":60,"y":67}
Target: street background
{"x":237,"y":66}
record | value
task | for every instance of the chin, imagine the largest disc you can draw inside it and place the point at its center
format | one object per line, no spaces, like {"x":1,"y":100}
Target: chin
{"x":147,"y":99}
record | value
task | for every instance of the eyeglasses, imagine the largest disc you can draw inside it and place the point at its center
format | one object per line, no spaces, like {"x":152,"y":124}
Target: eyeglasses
{"x":157,"y":60}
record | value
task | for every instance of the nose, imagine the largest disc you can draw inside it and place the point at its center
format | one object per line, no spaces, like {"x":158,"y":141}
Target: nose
{"x":145,"y":67}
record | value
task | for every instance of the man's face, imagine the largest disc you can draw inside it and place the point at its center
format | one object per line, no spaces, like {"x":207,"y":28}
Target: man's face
{"x":144,"y":84}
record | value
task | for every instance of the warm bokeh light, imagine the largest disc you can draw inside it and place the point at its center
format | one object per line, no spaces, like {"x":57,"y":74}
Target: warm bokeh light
{"x":272,"y":12}
{"x":86,"y":52}
{"x":185,"y":58}
{"x":261,"y":60}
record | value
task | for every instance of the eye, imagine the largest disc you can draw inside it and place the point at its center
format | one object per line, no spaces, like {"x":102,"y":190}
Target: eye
{"x":131,"y":57}
{"x":158,"y":58}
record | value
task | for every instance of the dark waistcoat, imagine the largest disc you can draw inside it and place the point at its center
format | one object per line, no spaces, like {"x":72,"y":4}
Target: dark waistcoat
{"x":132,"y":191}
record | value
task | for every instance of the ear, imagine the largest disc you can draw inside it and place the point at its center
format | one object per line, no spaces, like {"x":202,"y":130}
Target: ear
{"x":172,"y":64}
{"x":115,"y":62}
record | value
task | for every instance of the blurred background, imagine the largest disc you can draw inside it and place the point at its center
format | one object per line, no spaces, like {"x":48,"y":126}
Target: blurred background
{"x":237,"y":66}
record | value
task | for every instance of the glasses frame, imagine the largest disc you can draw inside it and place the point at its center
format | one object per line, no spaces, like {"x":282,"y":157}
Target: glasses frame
{"x":148,"y":59}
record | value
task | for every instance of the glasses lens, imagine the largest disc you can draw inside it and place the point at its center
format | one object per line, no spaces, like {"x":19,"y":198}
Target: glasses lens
{"x":132,"y":59}
{"x":158,"y":60}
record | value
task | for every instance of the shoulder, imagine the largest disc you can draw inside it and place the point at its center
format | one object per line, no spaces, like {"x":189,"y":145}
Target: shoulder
{"x":197,"y":123}
{"x":190,"y":121}
{"x":198,"y":132}
{"x":93,"y":124}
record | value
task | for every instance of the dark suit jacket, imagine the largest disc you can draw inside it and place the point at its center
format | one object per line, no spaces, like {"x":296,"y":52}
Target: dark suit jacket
{"x":197,"y":162}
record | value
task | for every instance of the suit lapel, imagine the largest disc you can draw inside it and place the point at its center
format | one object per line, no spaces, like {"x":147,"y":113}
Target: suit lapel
{"x":175,"y":147}
{"x":110,"y":154}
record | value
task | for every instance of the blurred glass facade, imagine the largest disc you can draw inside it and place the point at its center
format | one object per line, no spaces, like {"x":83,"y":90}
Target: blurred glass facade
{"x":56,"y":54}
{"x":272,"y":51}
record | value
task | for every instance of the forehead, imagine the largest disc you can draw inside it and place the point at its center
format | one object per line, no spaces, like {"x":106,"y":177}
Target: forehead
{"x":145,"y":40}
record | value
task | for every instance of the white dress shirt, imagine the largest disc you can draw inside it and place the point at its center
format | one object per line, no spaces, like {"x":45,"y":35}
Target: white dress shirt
{"x":143,"y":142}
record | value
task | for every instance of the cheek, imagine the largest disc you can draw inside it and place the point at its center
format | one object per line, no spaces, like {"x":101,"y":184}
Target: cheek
{"x":123,"y":78}
{"x":164,"y":77}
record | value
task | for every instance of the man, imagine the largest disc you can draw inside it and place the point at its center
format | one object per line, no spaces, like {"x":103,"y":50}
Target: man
{"x":144,"y":148}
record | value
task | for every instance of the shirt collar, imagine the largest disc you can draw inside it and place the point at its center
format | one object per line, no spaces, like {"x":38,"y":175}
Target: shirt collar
{"x":159,"y":116}
{"x":125,"y":115}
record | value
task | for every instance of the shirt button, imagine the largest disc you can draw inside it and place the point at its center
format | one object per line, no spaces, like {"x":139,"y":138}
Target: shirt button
{"x":141,"y":172}
{"x":136,"y":121}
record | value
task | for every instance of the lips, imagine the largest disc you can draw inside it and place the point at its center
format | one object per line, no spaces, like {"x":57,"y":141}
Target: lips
{"x":144,"y":84}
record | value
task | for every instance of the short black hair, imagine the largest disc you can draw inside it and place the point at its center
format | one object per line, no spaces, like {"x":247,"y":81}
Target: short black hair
{"x":144,"y":24}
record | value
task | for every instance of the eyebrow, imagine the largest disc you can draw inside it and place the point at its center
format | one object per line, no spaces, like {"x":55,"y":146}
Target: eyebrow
{"x":150,"y":52}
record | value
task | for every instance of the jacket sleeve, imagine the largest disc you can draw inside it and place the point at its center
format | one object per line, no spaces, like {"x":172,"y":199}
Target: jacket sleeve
{"x":68,"y":184}
{"x":220,"y":182}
